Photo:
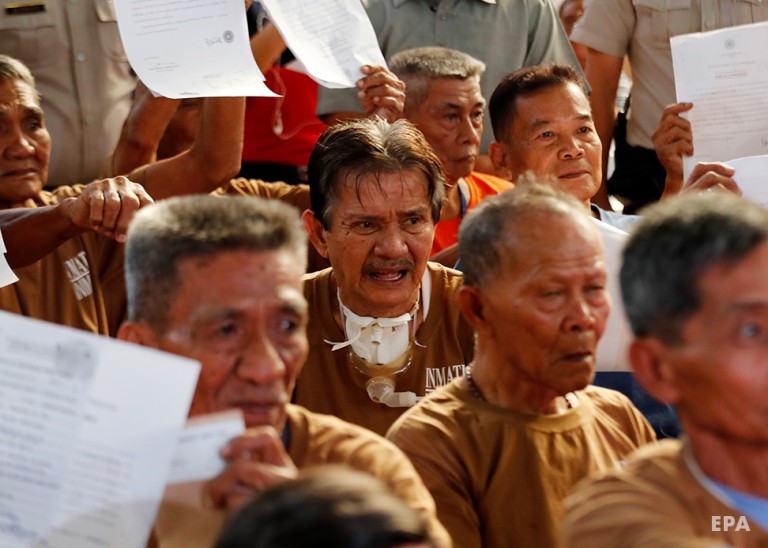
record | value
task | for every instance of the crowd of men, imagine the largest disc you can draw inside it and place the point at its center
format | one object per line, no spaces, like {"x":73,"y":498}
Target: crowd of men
{"x":422,"y":316}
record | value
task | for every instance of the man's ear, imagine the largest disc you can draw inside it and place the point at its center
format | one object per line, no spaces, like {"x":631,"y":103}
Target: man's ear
{"x":498,"y":153}
{"x":137,"y":333}
{"x":472,"y":307}
{"x":653,"y":369}
{"x":316,"y":232}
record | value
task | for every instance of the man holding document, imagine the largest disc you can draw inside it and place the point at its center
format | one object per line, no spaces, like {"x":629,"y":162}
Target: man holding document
{"x":248,"y":331}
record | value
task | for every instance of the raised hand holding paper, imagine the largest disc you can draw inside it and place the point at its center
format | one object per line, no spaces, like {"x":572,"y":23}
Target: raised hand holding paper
{"x":332,"y":38}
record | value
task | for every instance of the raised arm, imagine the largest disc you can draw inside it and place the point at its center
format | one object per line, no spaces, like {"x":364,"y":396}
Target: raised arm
{"x":603,"y":72}
{"x":142,"y":130}
{"x":213,"y":159}
{"x":105,"y":206}
{"x":267,"y":46}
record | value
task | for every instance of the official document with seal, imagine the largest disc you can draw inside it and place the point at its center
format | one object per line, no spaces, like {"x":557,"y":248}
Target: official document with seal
{"x":724,"y":73}
{"x":194,"y":48}
{"x":88,"y":428}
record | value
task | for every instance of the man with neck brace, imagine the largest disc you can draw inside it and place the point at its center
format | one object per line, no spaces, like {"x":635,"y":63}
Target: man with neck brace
{"x":384,"y":326}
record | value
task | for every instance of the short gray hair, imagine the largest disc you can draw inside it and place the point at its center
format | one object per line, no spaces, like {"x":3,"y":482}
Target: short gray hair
{"x":673,"y":246}
{"x":163,"y":234}
{"x":417,"y":66}
{"x":489,"y":232}
{"x":12,"y":69}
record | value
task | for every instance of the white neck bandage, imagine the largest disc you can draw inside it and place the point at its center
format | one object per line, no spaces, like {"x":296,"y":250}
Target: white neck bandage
{"x":379,"y":341}
{"x":376,"y":340}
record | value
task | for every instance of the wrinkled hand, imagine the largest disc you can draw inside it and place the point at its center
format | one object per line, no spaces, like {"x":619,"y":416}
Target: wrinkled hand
{"x":382,"y":94}
{"x":671,"y":140}
{"x":257,"y":459}
{"x":711,"y":176}
{"x":107,"y":206}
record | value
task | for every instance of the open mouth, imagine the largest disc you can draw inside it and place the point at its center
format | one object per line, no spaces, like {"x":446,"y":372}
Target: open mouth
{"x":389,"y":271}
{"x":388,"y":275}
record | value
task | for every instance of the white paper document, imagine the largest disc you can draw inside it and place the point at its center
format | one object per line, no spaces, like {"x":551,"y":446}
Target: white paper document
{"x":7,"y":276}
{"x":752,"y":177}
{"x":332,"y":38}
{"x":197,"y":454}
{"x":88,"y":428}
{"x":613,"y":345}
{"x":724,"y":73}
{"x":190,"y":48}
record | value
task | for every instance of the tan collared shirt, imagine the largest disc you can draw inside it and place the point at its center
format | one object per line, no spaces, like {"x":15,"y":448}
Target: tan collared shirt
{"x":74,"y":50}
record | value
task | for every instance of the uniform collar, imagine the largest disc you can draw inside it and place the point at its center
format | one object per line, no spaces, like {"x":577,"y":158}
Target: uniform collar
{"x":398,"y":3}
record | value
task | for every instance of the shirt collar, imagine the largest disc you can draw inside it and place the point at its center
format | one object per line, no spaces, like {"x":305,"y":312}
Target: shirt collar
{"x":398,"y":3}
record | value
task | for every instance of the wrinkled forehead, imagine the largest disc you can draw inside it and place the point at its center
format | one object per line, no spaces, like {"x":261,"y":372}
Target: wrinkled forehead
{"x":364,"y":189}
{"x":17,"y":93}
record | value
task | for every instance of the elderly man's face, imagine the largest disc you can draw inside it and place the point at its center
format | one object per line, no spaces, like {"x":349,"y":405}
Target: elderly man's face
{"x":720,"y":373}
{"x":451,"y":119}
{"x":242,"y":314}
{"x":378,"y":242}
{"x":547,"y":309}
{"x":24,"y":142}
{"x":553,"y":136}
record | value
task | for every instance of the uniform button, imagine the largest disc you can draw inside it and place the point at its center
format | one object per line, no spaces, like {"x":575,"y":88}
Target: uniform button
{"x":80,"y":57}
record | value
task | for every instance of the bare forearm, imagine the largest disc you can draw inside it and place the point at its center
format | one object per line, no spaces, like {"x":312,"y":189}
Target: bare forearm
{"x":211,"y":162}
{"x":31,"y":233}
{"x":603,"y":72}
{"x":143,"y":128}
{"x":267,"y":46}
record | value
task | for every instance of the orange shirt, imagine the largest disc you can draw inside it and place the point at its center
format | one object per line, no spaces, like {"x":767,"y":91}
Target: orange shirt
{"x":481,"y":185}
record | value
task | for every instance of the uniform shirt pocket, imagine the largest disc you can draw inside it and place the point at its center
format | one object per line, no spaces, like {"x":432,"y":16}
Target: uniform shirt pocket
{"x":660,"y":20}
{"x":26,"y":36}
{"x":109,"y":35}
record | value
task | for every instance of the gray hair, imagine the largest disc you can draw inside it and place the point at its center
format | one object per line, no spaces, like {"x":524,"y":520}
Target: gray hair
{"x":671,"y":248}
{"x":488,"y":234}
{"x":12,"y":70}
{"x":417,"y":66}
{"x":162,"y":235}
{"x":360,"y":148}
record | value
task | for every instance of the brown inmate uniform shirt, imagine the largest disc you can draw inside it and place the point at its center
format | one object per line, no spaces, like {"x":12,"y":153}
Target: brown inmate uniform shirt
{"x":79,"y":284}
{"x":329,"y":384}
{"x":498,"y":476}
{"x":655,"y":501}
{"x":185,"y":522}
